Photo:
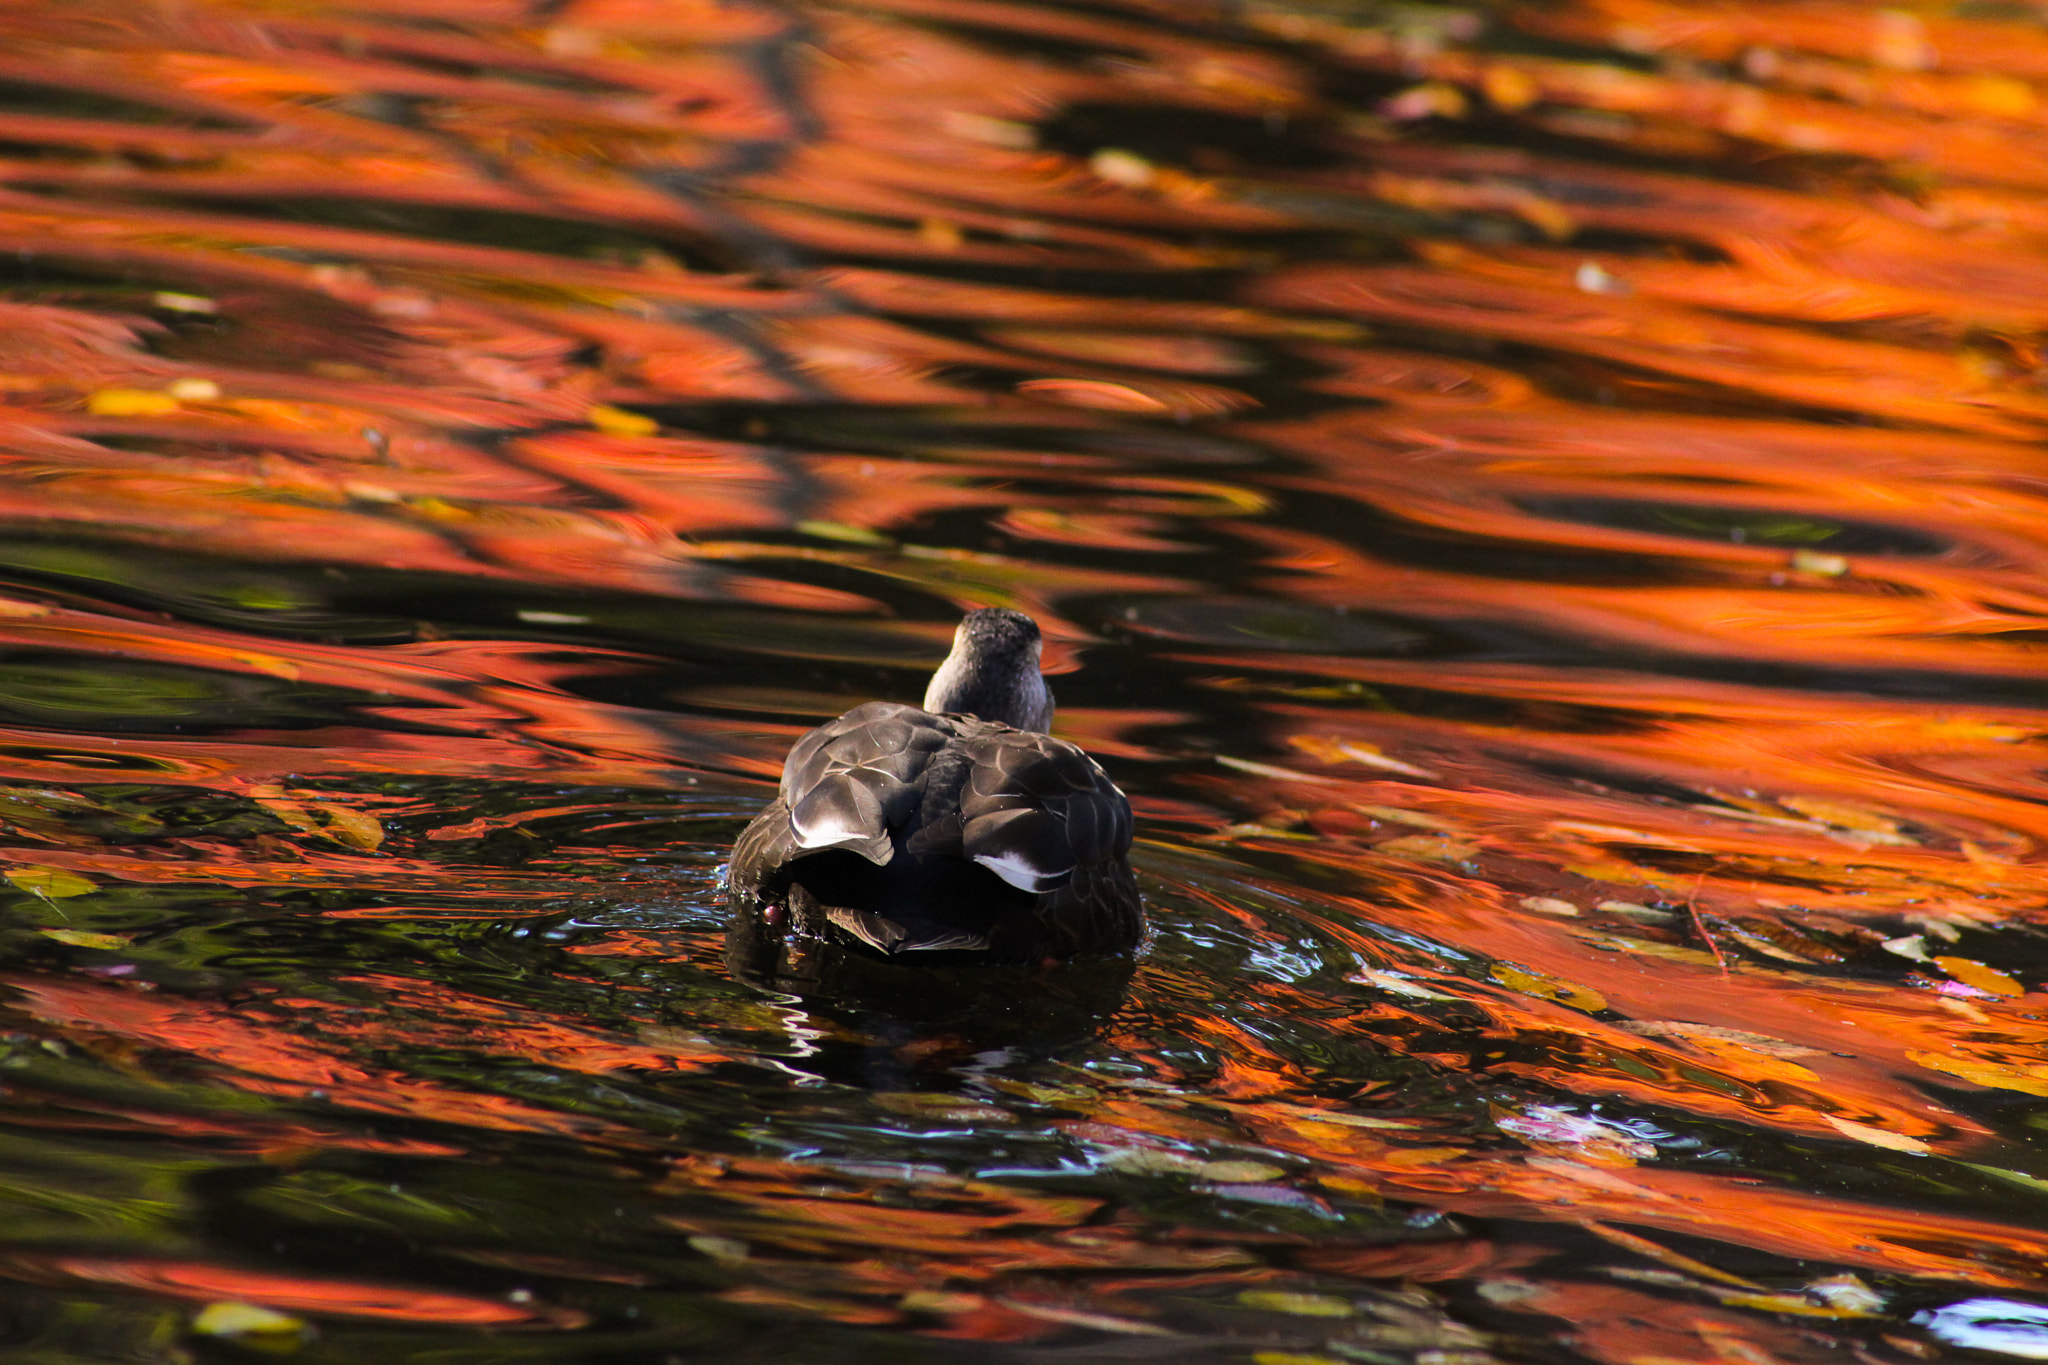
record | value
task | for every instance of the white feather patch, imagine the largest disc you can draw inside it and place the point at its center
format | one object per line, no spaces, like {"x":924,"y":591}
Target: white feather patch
{"x":1017,"y":871}
{"x":826,"y":833}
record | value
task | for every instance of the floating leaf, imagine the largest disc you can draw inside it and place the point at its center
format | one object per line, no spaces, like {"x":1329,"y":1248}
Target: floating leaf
{"x":1240,"y":1172}
{"x":252,"y":1326}
{"x":1754,"y":1042}
{"x":1847,"y":1292}
{"x":1151,"y":1161}
{"x":621,"y":422}
{"x":352,"y":827}
{"x":1397,"y":983}
{"x":1878,"y":1137}
{"x":725,"y":1250}
{"x":1094,"y":1322}
{"x":1545,"y":987}
{"x":941,"y":1108}
{"x":1435,"y":848}
{"x":2029,"y":1078}
{"x":1305,"y":1114}
{"x":85,"y":938}
{"x":130,"y":403}
{"x":1987,"y":979}
{"x":52,"y":883}
{"x":1301,"y":1305}
{"x":1795,"y":1305}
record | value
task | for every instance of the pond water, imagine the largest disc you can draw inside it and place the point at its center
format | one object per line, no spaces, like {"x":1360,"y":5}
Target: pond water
{"x":1542,"y":506}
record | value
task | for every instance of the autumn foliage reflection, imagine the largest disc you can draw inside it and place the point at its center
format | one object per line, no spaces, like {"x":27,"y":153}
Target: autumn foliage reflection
{"x":1539,"y":505}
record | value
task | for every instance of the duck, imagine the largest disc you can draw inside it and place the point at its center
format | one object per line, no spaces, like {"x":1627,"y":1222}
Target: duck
{"x":961,"y":830}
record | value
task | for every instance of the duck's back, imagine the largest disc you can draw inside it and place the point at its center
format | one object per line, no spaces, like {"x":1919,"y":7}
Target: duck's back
{"x":908,"y":830}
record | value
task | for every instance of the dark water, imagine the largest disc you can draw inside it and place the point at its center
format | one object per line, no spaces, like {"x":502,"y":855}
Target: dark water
{"x":1541,"y":507}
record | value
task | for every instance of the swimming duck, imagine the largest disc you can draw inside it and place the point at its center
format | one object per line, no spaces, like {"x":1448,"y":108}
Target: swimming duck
{"x":958,"y":828}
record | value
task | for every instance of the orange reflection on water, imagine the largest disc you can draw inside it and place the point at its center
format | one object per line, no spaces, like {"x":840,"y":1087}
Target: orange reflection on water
{"x":1551,"y":540}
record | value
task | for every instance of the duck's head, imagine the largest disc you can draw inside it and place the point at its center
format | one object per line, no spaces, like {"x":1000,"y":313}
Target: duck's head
{"x":993,"y":672}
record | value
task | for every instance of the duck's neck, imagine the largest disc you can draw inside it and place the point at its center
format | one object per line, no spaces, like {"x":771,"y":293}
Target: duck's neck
{"x":993,"y":673}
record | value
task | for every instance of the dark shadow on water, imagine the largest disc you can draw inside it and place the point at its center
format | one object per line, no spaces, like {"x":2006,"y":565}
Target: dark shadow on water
{"x":937,"y":1008}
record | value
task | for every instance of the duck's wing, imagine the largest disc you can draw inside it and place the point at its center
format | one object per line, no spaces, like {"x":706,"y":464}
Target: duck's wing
{"x":849,"y":782}
{"x":1035,"y":808}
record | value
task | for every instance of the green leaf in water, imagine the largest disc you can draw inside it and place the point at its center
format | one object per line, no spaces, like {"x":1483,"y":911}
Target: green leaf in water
{"x":51,"y":883}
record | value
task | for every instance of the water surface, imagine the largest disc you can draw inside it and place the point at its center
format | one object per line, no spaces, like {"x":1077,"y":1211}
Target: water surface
{"x":1540,"y":505}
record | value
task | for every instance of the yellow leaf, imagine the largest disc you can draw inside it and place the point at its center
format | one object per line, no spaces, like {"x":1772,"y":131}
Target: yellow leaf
{"x":1670,"y":952}
{"x":245,"y":1320}
{"x":1976,"y":974}
{"x":1240,"y":1172}
{"x":1621,"y":834}
{"x":352,"y":827}
{"x":1334,"y":751}
{"x":1878,"y":1137}
{"x":1814,"y":561}
{"x":1847,"y":815}
{"x":271,"y":664}
{"x":193,"y":389}
{"x":1548,"y":987}
{"x":1795,"y":1304}
{"x":1758,"y":944}
{"x":291,"y":812}
{"x":1420,"y":1156}
{"x":1151,"y":1161}
{"x":85,"y":938}
{"x":844,"y":532}
{"x":1351,"y":1187}
{"x":1397,"y":815}
{"x":130,"y":403}
{"x":51,"y":883}
{"x":1301,"y":1305}
{"x":724,"y":1250}
{"x":440,"y":509}
{"x":1306,"y":1114}
{"x":1614,"y":870}
{"x":620,"y":422}
{"x":2028,"y":1079}
{"x":1435,"y":848}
